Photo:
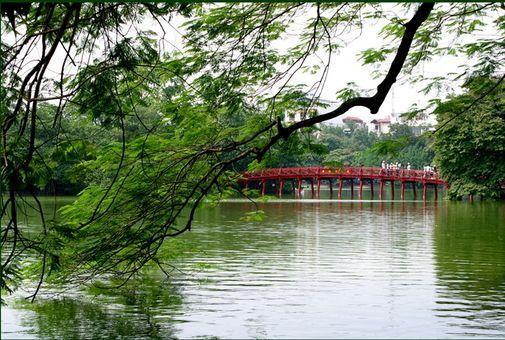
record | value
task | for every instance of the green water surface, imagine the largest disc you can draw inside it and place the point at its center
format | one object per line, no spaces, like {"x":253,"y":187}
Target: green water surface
{"x":311,"y":269}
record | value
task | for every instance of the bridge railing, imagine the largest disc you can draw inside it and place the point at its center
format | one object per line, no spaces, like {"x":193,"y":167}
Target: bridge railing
{"x":344,"y":172}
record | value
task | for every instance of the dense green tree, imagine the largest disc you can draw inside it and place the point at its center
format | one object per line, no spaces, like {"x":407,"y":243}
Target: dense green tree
{"x":470,"y":141}
{"x":402,"y":145}
{"x":297,"y":150}
{"x":359,"y":147}
{"x":345,"y":145}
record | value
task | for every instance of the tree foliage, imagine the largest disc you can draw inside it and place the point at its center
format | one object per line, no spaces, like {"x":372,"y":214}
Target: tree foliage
{"x":359,"y":147}
{"x":470,"y":141}
{"x":182,"y":122}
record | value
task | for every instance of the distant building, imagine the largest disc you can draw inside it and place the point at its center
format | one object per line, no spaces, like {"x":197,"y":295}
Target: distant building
{"x":317,"y":108}
{"x":381,"y":125}
{"x":351,"y":120}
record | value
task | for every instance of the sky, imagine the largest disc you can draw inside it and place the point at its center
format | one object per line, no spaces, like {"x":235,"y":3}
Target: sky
{"x":345,"y":65}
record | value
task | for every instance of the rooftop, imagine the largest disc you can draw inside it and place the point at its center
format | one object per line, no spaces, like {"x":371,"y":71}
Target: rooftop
{"x":352,"y":119}
{"x":381,"y":120}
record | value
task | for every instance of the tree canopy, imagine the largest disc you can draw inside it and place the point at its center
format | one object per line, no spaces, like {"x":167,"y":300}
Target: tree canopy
{"x":165,"y":127}
{"x":470,"y":143}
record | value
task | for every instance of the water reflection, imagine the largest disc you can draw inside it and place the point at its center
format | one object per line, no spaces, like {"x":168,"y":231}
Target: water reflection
{"x":311,"y":269}
{"x":133,"y":310}
{"x":469,"y":250}
{"x":344,"y":268}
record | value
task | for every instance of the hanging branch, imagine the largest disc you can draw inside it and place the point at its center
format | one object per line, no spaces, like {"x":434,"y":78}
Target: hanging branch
{"x":126,"y":248}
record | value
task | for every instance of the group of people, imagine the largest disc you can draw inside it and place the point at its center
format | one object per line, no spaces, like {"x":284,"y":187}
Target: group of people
{"x":389,"y":168}
{"x":394,"y":166}
{"x":429,"y":168}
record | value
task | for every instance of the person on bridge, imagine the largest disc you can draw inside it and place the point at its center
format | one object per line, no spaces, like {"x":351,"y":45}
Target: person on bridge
{"x":428,"y":171}
{"x":388,"y":168}
{"x":408,"y":166}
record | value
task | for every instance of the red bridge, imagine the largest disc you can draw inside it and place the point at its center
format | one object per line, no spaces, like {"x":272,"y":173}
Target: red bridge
{"x":316,"y":175}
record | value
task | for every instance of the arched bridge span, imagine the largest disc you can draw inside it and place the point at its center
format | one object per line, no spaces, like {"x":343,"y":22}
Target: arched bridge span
{"x":316,"y":176}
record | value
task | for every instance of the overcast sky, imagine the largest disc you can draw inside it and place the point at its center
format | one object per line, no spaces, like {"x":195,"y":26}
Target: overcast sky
{"x":345,"y":66}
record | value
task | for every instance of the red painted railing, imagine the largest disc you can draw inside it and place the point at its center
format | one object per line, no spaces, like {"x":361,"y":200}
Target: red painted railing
{"x":402,"y":175}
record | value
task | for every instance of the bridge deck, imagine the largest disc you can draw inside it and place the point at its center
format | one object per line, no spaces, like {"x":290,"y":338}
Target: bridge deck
{"x":362,"y":173}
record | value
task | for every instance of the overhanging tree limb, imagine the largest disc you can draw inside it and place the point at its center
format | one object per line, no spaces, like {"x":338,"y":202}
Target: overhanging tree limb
{"x":227,"y":155}
{"x":374,"y":102}
{"x":147,"y":214}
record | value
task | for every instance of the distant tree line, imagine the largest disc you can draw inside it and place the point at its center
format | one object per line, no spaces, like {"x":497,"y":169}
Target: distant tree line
{"x":467,"y":146}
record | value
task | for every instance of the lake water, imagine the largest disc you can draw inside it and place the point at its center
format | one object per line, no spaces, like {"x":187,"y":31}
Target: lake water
{"x":311,"y":269}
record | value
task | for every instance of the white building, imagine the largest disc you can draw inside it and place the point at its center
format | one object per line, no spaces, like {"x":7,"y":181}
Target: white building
{"x":381,"y":125}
